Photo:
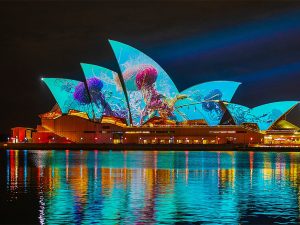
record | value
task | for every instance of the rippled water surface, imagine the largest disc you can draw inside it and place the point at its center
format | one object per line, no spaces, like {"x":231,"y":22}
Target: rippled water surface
{"x":85,"y":187}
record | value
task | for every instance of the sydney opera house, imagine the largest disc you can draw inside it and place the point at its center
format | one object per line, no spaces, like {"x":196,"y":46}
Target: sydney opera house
{"x":143,"y":105}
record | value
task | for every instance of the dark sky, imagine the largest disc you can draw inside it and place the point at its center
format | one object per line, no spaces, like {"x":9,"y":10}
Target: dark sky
{"x":256,"y":43}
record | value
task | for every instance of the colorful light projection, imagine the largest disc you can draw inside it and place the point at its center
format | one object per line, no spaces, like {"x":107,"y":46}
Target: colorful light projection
{"x":107,"y":97}
{"x":264,"y":115}
{"x":149,"y":88}
{"x":151,"y":92}
{"x":202,"y":101}
{"x":70,"y":95}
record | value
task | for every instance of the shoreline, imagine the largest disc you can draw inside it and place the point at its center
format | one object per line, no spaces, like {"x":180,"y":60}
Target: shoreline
{"x":145,"y":147}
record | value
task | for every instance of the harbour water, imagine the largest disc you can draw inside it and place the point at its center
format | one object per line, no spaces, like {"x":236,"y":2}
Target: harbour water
{"x":151,"y":187}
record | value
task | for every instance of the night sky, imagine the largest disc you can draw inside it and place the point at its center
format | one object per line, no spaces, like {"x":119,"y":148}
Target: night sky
{"x":256,"y":43}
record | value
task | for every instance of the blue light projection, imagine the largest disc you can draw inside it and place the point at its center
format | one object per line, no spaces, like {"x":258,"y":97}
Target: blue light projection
{"x":202,"y":101}
{"x":106,"y":93}
{"x":70,"y":95}
{"x":233,"y":40}
{"x":150,"y":89}
{"x":264,"y":115}
{"x":238,"y":112}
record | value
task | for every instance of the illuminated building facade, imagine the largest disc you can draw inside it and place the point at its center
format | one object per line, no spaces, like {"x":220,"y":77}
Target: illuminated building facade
{"x":143,"y":105}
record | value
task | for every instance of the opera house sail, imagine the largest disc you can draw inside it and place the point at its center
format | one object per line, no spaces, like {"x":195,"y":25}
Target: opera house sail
{"x":264,"y":115}
{"x":149,"y":88}
{"x":203,"y":101}
{"x":107,"y":96}
{"x":70,"y":95}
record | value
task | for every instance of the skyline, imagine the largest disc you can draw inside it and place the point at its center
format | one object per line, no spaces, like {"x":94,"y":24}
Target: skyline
{"x":244,"y":42}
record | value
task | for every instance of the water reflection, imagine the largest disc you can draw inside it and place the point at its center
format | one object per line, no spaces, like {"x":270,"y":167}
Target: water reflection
{"x":157,"y":187}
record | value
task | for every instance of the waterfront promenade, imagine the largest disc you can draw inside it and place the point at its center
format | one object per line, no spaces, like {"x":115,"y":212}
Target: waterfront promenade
{"x":147,"y":147}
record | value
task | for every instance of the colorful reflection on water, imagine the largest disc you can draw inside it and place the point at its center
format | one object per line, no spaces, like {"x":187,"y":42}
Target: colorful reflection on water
{"x":85,"y":187}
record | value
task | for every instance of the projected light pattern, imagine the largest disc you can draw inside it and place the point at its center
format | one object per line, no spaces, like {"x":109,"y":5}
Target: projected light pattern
{"x":70,"y":95}
{"x":239,"y":113}
{"x":264,"y":115}
{"x":202,"y":101}
{"x":150,"y":92}
{"x":150,"y":89}
{"x":106,"y":93}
